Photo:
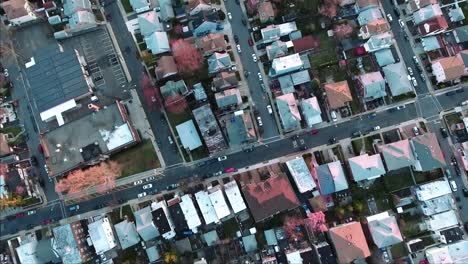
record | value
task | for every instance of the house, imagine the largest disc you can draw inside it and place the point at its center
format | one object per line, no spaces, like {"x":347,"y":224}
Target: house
{"x":441,"y":221}
{"x":300,"y":77}
{"x":140,"y":6}
{"x":426,"y":13}
{"x":448,"y":68}
{"x":86,"y":140}
{"x":431,"y":43}
{"x":68,"y":245}
{"x":224,"y":80}
{"x":338,"y":94}
{"x":127,"y":234}
{"x":288,"y":112}
{"x":437,"y":205}
{"x":161,"y":219}
{"x":177,"y":216}
{"x":219,"y":203}
{"x":302,"y":255}
{"x":374,"y":27}
{"x":456,"y":14}
{"x":461,"y":34}
{"x":266,"y":12}
{"x":166,"y":10}
{"x":234,"y":196}
{"x":196,"y":6}
{"x":397,"y":80}
{"x":277,"y":49}
{"x":451,"y":253}
{"x":199,"y":93}
{"x":397,"y":155}
{"x":433,"y":26}
{"x":228,"y":99}
{"x":311,"y":111}
{"x":219,"y":62}
{"x":274,"y":32}
{"x":149,"y":23}
{"x":269,"y":197}
{"x":158,"y":43}
{"x":286,"y":84}
{"x":384,"y":57}
{"x":18,"y":12}
{"x":209,"y":129}
{"x":145,"y":225}
{"x":331,"y":178}
{"x":188,"y":135}
{"x":305,"y":44}
{"x":427,"y":153}
{"x":152,"y":253}
{"x":211,"y":43}
{"x":53,"y":90}
{"x":80,"y":20}
{"x":366,"y":167}
{"x":432,"y":190}
{"x":366,"y":4}
{"x":206,"y":207}
{"x":414,"y":5}
{"x":286,"y":64}
{"x":239,"y":127}
{"x":378,"y":42}
{"x":369,"y":15}
{"x":205,"y":22}
{"x":325,"y":252}
{"x":102,"y":235}
{"x":36,"y":252}
{"x":166,"y":68}
{"x":190,"y":213}
{"x":384,"y":230}
{"x":372,"y":85}
{"x":172,"y":88}
{"x":349,"y":242}
{"x":301,"y":175}
{"x":5,"y":149}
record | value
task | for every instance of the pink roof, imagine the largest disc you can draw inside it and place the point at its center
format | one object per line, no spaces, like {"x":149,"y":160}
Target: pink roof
{"x":350,"y":242}
{"x":370,"y":78}
{"x":398,"y":149}
{"x":289,"y":98}
{"x":366,"y":161}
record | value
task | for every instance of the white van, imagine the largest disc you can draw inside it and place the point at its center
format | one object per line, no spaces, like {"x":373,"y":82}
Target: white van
{"x":453,"y":185}
{"x":333,"y":115}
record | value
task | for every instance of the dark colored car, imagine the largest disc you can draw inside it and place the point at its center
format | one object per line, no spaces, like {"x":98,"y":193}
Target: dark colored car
{"x":465,"y":192}
{"x":443,"y":131}
{"x":450,"y":93}
{"x":332,"y":141}
{"x":459,"y":90}
{"x":314,"y":131}
{"x":356,"y":134}
{"x":33,"y":161}
{"x":236,"y":39}
{"x":201,"y":164}
{"x":465,"y":225}
{"x":40,"y":149}
{"x":304,"y":147}
{"x":20,"y":215}
{"x":47,"y":221}
{"x":250,"y":42}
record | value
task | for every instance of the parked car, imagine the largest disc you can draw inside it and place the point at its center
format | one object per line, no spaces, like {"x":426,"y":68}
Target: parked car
{"x":390,"y":18}
{"x":201,"y":164}
{"x":31,"y":212}
{"x":137,"y":182}
{"x":415,"y":83}
{"x":465,"y":192}
{"x":229,"y":15}
{"x":423,"y":77}
{"x":47,"y":221}
{"x":73,"y":208}
{"x":40,"y":149}
{"x":260,"y":78}
{"x":172,"y":186}
{"x":270,"y":111}
{"x":443,"y":132}
{"x":448,"y":174}
{"x":410,"y":71}
{"x":221,"y":158}
{"x":217,"y":173}
{"x":259,"y":120}
{"x":416,"y":131}
{"x":332,"y":141}
{"x":246,"y":73}
{"x":402,"y":24}
{"x":401,"y":107}
{"x":459,"y":90}
{"x":229,"y":170}
{"x":169,"y":138}
{"x":33,"y":160}
{"x":239,"y":48}
{"x":250,"y":42}
{"x":450,"y":93}
{"x":376,"y":128}
{"x":356,"y":134}
{"x":147,"y":186}
{"x":236,"y":39}
{"x":254,"y":57}
{"x":20,"y":215}
{"x":143,"y":194}
{"x":151,"y":178}
{"x":333,"y":116}
{"x":314,"y":131}
{"x":250,"y":149}
{"x":453,"y":185}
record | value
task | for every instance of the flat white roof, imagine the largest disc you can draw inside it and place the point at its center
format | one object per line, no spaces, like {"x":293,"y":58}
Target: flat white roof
{"x":206,"y":207}
{"x":432,"y":190}
{"x":57,"y":111}
{"x":287,"y":28}
{"x":442,"y":220}
{"x":190,"y":212}
{"x":234,"y":196}
{"x":438,"y":205}
{"x":377,"y":217}
{"x":218,"y":202}
{"x":301,"y":174}
{"x":102,"y":235}
{"x":287,"y":62}
{"x":452,"y":253}
{"x":120,"y":136}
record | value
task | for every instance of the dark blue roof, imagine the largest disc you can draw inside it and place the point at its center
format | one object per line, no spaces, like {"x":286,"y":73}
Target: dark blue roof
{"x":325,"y":179}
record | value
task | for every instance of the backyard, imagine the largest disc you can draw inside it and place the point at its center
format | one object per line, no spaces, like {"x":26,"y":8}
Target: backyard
{"x":326,"y":54}
{"x":368,"y":144}
{"x":139,"y":158}
{"x":452,"y":119}
{"x":375,"y":190}
{"x":422,"y":177}
{"x":126,"y":5}
{"x":398,"y":179}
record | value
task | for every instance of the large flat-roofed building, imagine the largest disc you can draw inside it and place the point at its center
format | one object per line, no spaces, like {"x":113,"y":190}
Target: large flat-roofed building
{"x":162,"y":220}
{"x":84,"y":140}
{"x":432,"y":190}
{"x":301,"y":175}
{"x":68,"y":243}
{"x":56,"y":80}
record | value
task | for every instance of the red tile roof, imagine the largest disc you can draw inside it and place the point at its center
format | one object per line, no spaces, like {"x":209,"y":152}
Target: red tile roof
{"x":350,"y":242}
{"x":435,"y":24}
{"x":338,"y":94}
{"x":305,"y":43}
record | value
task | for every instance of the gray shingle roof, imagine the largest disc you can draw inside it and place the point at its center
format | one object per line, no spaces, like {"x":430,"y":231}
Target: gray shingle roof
{"x":385,"y":232}
{"x":397,"y":155}
{"x":397,"y":80}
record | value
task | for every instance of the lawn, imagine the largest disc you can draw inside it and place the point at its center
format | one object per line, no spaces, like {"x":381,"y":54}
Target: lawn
{"x":422,"y":177}
{"x":368,"y":144}
{"x":126,"y":5}
{"x":126,"y":210}
{"x":338,"y":151}
{"x":357,"y":146}
{"x":139,"y":158}
{"x":331,"y":72}
{"x":178,"y":118}
{"x":327,"y":52}
{"x":376,"y":190}
{"x":452,"y":119}
{"x":464,"y":7}
{"x":398,"y":179}
{"x":229,"y":229}
{"x":403,"y":97}
{"x":399,"y":250}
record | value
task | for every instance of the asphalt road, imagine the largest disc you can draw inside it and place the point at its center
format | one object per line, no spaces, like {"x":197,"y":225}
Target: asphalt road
{"x":259,"y":98}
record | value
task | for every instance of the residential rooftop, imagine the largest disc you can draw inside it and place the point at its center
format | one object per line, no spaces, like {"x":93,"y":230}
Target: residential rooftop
{"x":350,"y":242}
{"x":127,"y":234}
{"x":397,"y":155}
{"x":366,"y":167}
{"x":438,"y":205}
{"x":301,"y":174}
{"x":441,"y":221}
{"x":219,"y":203}
{"x":432,"y":190}
{"x":384,"y":230}
{"x":190,"y":212}
{"x":102,"y":235}
{"x":206,"y":207}
{"x":234,"y":196}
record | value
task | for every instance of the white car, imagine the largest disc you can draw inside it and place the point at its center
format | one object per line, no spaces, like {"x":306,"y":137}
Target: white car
{"x":416,"y":131}
{"x":376,"y":128}
{"x":453,"y":185}
{"x":31,"y":212}
{"x":254,"y":57}
{"x":238,"y":48}
{"x":217,"y":173}
{"x":260,"y":78}
{"x":410,"y":71}
{"x":402,"y":24}
{"x":229,"y":15}
{"x":170,"y":140}
{"x":138,"y":182}
{"x":270,"y":111}
{"x":147,"y":186}
{"x":401,"y":107}
{"x":415,"y":83}
{"x":150,"y":178}
{"x":143,"y":194}
{"x":222,"y":158}
{"x":259,"y":119}
{"x":390,"y":18}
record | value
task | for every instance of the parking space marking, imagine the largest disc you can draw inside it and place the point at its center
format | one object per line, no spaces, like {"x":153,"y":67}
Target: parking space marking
{"x":295,"y":144}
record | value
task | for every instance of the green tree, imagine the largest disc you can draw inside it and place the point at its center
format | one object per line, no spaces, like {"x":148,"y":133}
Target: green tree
{"x":358,"y":206}
{"x":340,"y":212}
{"x":221,"y":14}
